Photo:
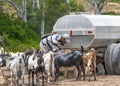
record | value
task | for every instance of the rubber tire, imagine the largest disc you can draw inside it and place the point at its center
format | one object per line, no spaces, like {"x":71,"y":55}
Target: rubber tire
{"x":119,"y":59}
{"x":108,"y":58}
{"x":115,"y":59}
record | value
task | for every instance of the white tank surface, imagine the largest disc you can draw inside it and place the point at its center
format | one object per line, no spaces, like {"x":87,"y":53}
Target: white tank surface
{"x":89,"y":30}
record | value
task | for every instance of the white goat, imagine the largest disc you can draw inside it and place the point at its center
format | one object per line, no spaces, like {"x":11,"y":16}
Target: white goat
{"x":49,"y":65}
{"x":17,"y":68}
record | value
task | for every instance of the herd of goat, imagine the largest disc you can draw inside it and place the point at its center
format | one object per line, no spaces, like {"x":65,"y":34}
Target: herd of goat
{"x":47,"y":66}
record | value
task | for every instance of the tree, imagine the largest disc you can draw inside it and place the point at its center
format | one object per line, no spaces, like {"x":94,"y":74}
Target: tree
{"x":43,"y":18}
{"x":43,"y":13}
{"x":16,"y":35}
{"x":20,"y":8}
{"x":98,"y":5}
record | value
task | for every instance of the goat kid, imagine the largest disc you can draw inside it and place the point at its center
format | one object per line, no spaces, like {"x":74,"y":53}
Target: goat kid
{"x":89,"y":60}
{"x":17,"y":68}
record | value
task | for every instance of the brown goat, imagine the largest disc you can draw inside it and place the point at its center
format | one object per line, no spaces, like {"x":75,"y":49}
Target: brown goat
{"x":89,"y":60}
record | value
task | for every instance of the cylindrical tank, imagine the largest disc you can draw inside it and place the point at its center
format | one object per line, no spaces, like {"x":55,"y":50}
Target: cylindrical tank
{"x":89,"y":30}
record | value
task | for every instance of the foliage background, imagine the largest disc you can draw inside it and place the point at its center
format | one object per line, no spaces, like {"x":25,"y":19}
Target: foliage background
{"x":16,"y":35}
{"x":19,"y":36}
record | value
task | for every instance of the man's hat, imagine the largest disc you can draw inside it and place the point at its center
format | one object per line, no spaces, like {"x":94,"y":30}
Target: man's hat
{"x":67,"y":37}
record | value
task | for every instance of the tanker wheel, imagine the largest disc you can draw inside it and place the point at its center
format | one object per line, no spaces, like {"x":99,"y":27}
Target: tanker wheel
{"x":116,"y":59}
{"x":108,"y":58}
{"x":119,"y":59}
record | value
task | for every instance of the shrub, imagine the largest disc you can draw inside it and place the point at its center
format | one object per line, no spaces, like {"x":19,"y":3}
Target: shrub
{"x":16,"y":34}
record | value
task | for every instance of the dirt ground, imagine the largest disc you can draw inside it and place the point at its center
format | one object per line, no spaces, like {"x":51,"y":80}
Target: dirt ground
{"x":111,"y":80}
{"x":101,"y":81}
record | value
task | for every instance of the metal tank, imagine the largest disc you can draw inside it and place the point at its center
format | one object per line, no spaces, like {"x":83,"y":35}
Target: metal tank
{"x":89,"y":30}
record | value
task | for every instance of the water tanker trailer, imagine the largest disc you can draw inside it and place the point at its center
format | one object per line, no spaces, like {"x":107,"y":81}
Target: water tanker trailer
{"x":101,"y":32}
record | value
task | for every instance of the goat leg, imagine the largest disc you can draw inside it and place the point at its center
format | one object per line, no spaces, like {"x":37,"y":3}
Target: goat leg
{"x":11,"y":78}
{"x":56,"y":74}
{"x":88,"y":73}
{"x":83,"y":70}
{"x":42,"y":78}
{"x":32,"y":78}
{"x":22,"y":77}
{"x":94,"y":71}
{"x":17,"y":80}
{"x":78,"y":69}
{"x":36,"y":79}
{"x":28,"y":77}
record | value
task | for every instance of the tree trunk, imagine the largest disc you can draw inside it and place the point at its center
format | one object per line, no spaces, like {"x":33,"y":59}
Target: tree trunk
{"x":33,"y":6}
{"x":43,"y":18}
{"x":24,"y":17}
{"x":38,"y":4}
{"x":97,"y":10}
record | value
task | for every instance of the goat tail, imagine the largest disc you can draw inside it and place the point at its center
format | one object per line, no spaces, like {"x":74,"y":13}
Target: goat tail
{"x":82,"y":48}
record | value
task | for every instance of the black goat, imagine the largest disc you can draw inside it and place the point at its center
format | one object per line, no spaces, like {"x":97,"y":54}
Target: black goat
{"x":73,"y":58}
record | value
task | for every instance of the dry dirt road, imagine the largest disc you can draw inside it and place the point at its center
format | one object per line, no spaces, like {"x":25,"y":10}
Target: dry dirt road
{"x":111,"y":80}
{"x":101,"y":81}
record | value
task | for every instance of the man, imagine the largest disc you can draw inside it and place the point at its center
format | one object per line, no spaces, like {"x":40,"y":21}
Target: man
{"x":53,"y":42}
